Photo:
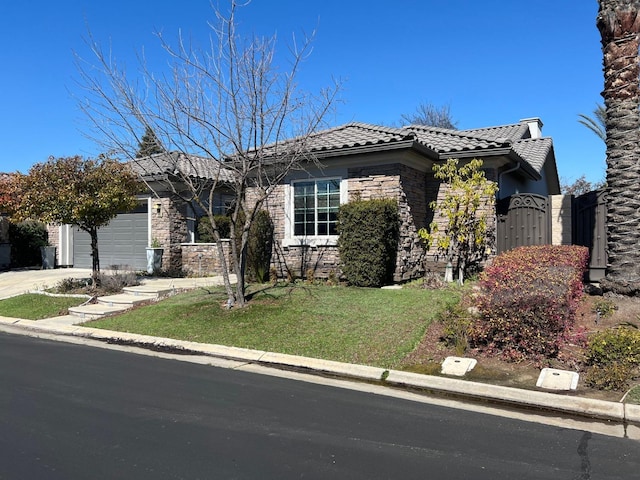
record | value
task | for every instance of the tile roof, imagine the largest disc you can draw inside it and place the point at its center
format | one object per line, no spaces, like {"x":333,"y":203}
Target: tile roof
{"x":442,"y":141}
{"x":445,"y":141}
{"x":189,"y":165}
{"x":357,"y":137}
{"x":534,"y":151}
{"x":350,"y":135}
{"x":513,"y":132}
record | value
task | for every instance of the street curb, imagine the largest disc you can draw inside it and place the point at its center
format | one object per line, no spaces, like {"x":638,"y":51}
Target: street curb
{"x":508,"y":396}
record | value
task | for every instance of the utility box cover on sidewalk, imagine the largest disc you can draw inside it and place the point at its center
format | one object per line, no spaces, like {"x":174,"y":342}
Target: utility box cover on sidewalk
{"x":457,"y":366}
{"x":554,"y":379}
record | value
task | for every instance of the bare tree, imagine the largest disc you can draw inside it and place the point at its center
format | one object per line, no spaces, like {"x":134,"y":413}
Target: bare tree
{"x":233,"y":117}
{"x":432,"y":116}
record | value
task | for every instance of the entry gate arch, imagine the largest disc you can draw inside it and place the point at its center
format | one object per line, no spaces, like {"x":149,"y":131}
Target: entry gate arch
{"x":523,"y":219}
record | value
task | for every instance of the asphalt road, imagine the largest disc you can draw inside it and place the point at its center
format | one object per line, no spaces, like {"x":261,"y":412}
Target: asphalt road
{"x":77,"y":412}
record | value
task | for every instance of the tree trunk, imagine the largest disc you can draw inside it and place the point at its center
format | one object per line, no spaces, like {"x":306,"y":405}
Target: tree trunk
{"x":95,"y":258}
{"x":224,"y":265}
{"x":619,"y":25}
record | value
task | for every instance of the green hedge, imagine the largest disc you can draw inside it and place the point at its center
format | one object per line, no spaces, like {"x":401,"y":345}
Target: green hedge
{"x":259,"y":247}
{"x":205,"y":230}
{"x":26,"y":239}
{"x":368,"y":242}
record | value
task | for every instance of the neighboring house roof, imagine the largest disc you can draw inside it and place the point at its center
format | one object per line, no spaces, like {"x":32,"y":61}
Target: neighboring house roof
{"x":170,"y":163}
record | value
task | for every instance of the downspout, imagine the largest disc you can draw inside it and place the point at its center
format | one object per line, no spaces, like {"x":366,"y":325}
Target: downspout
{"x":495,"y":211}
{"x":511,"y":170}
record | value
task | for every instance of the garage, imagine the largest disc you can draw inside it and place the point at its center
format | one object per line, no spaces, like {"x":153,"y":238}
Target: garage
{"x":121,"y":244}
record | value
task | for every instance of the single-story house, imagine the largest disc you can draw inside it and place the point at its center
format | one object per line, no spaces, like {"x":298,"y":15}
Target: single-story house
{"x":357,"y":160}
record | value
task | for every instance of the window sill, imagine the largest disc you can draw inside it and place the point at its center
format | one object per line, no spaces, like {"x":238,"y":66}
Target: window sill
{"x":329,"y":241}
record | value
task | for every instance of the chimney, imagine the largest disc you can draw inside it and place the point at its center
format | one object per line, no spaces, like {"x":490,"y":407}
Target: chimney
{"x":535,"y":126}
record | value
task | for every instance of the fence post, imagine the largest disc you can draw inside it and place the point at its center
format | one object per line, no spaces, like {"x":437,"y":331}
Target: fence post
{"x":561,"y":216}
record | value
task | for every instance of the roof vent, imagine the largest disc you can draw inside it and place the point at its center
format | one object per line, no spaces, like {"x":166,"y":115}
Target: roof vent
{"x":535,"y":126}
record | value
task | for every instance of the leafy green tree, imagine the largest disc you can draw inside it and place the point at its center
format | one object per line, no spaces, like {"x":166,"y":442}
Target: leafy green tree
{"x":86,"y":193}
{"x":149,"y":144}
{"x":9,"y":192}
{"x":466,"y":206}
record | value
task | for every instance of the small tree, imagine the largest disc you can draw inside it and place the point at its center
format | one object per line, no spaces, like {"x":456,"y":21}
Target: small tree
{"x":83,"y":192}
{"x":466,"y":207}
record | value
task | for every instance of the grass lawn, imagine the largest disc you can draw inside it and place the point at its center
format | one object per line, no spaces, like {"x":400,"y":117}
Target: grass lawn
{"x":633,"y":396}
{"x":368,"y":326}
{"x":34,"y":306}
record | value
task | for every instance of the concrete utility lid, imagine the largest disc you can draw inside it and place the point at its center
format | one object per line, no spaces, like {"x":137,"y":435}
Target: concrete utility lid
{"x":458,"y":366}
{"x":554,"y":379}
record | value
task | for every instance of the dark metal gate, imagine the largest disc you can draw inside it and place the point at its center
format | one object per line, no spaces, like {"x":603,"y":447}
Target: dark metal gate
{"x":589,"y":224}
{"x":523,"y":219}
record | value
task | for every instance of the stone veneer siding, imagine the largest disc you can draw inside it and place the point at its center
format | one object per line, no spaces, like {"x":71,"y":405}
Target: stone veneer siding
{"x":169,"y":227}
{"x":397,"y":181}
{"x":297,"y":261}
{"x":202,"y":259}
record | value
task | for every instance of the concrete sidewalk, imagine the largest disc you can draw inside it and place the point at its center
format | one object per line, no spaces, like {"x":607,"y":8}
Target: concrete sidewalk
{"x":540,"y":401}
{"x":17,"y":282}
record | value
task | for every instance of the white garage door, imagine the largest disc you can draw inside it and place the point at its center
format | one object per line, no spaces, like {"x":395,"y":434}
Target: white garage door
{"x":121,"y":243}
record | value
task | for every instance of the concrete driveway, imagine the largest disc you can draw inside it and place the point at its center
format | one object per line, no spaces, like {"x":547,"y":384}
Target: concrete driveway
{"x":16,"y":282}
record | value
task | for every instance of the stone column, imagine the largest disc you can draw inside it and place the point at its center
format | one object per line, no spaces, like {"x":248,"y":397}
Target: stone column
{"x":561,"y":229}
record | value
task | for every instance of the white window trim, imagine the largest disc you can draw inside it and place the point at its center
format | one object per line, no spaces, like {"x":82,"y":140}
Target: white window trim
{"x":291,"y":240}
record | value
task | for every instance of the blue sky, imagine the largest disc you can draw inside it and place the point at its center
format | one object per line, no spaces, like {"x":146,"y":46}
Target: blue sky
{"x":493,"y":61}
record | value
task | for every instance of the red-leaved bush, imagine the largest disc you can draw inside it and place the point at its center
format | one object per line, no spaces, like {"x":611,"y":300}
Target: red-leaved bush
{"x":528,"y":301}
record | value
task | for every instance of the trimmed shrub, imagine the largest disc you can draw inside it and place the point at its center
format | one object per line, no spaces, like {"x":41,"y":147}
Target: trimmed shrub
{"x":528,"y":301}
{"x":259,"y":247}
{"x":26,"y":239}
{"x":369,"y":231}
{"x":612,"y":357}
{"x":205,"y":230}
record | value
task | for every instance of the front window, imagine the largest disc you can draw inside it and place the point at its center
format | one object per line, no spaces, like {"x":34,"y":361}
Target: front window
{"x":315,"y":205}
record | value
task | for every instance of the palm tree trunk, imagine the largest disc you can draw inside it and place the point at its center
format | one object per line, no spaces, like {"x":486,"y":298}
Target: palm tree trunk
{"x":619,"y":25}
